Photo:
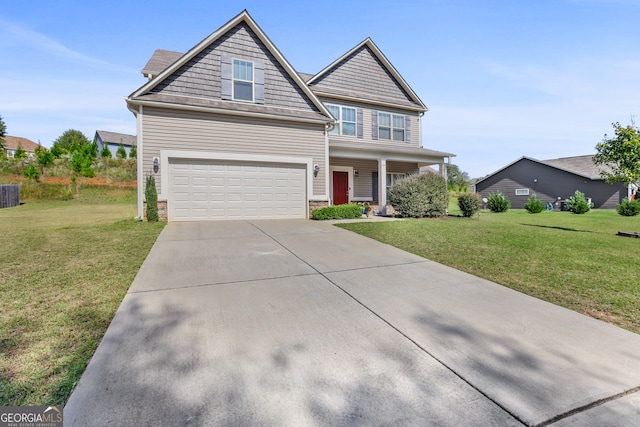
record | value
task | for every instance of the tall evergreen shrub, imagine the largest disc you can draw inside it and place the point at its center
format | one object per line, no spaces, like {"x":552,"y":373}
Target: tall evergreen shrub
{"x":151,"y":194}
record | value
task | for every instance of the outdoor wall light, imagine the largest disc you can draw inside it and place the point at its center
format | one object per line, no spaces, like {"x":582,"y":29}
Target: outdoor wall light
{"x":156,"y":164}
{"x":316,"y":169}
{"x":356,"y":173}
{"x":535,"y":179}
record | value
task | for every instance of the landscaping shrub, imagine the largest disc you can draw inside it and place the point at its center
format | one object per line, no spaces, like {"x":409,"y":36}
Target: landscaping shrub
{"x":534,"y":205}
{"x":469,"y":204}
{"x":498,"y":202}
{"x":420,"y":196}
{"x":121,"y":153}
{"x":578,"y":204}
{"x":337,"y":212}
{"x":31,"y":171}
{"x":628,"y":207}
{"x":151,"y":194}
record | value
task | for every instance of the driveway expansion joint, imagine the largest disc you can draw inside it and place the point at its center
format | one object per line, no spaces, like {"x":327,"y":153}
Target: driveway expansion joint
{"x":587,"y":407}
{"x":233,"y":282}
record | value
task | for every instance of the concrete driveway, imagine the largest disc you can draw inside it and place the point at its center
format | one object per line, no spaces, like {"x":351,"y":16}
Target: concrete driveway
{"x":300,"y":323}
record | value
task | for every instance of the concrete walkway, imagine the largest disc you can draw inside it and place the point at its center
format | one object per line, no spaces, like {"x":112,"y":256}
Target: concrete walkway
{"x":300,"y":323}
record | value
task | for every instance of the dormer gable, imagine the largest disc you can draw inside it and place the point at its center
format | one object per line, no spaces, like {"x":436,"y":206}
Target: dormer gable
{"x":236,"y":68}
{"x":365,"y":74}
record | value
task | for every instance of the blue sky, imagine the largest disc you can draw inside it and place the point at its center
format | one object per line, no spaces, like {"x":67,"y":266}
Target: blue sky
{"x":502,"y":78}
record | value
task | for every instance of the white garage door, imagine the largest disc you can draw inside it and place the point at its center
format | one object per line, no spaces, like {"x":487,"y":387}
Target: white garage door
{"x":210,"y":190}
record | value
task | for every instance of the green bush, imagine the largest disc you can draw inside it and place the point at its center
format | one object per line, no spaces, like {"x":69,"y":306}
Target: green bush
{"x":469,"y":204}
{"x":498,"y":202}
{"x":420,"y":196}
{"x":31,"y":171}
{"x":105,"y":153}
{"x":337,"y":212}
{"x":534,"y":205}
{"x":578,"y":204}
{"x":121,"y":153}
{"x":151,"y":194}
{"x":628,"y":207}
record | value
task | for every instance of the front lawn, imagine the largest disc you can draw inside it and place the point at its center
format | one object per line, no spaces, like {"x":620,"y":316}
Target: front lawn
{"x":575,"y":261}
{"x":65,"y":267}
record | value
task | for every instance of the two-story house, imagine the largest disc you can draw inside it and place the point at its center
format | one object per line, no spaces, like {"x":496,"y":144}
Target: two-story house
{"x":231,"y":130}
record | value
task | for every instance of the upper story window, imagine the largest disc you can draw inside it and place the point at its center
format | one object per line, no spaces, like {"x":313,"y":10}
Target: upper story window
{"x":242,"y":80}
{"x":347,"y":120}
{"x":391,"y":127}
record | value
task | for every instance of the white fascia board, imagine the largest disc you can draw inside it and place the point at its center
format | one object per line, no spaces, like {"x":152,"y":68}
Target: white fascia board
{"x":417,"y":109}
{"x":166,"y":155}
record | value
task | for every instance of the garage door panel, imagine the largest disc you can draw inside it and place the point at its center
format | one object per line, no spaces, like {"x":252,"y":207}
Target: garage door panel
{"x":207,"y":190}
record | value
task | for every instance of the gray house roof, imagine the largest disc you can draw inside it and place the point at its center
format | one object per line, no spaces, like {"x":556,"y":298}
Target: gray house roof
{"x":578,"y":165}
{"x":160,"y":60}
{"x":116,"y":138}
{"x":582,"y":165}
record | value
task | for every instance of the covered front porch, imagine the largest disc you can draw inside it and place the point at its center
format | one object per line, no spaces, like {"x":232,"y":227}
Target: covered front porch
{"x":364,"y":172}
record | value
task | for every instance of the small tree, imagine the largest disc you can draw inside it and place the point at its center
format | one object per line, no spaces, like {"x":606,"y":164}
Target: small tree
{"x":133,"y":153}
{"x":628,"y":207}
{"x":420,"y":196}
{"x":3,"y":133}
{"x":71,"y":141}
{"x":621,"y":154}
{"x":44,"y":157}
{"x":578,"y":204}
{"x":20,"y":154}
{"x":533,"y":205}
{"x":498,"y":202}
{"x":31,"y":171}
{"x":457,"y":180}
{"x":121,"y":153}
{"x":469,"y":204}
{"x":151,"y":194}
{"x":105,"y":153}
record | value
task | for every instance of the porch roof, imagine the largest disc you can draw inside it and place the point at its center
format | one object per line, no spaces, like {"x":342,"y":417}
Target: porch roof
{"x":374,"y":151}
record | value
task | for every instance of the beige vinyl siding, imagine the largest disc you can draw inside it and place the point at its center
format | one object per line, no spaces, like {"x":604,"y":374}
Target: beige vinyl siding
{"x":201,"y":76}
{"x":367,"y":137}
{"x":363,"y":73}
{"x":181,"y":130}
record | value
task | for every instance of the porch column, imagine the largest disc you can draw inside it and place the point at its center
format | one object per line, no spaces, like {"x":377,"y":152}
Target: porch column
{"x":382,"y":185}
{"x":443,"y":170}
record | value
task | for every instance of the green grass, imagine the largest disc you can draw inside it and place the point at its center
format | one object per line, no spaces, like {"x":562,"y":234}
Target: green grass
{"x":66,"y":265}
{"x":575,"y":261}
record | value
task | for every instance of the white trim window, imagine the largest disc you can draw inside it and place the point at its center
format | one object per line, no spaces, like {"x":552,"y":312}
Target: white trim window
{"x":391,"y":126}
{"x":392,"y":178}
{"x":347,"y":120}
{"x":242,"y":80}
{"x":522,"y":191}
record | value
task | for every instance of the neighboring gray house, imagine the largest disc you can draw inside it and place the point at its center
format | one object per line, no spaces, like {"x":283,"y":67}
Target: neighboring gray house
{"x":113,"y":141}
{"x":231,"y":130}
{"x":552,"y":180}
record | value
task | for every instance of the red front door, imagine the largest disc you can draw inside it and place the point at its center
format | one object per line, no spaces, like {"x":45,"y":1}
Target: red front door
{"x":340,"y":187}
